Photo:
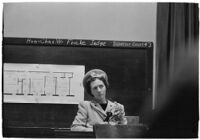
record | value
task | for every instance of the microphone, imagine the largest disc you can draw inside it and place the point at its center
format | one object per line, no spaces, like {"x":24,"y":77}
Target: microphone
{"x":109,"y":114}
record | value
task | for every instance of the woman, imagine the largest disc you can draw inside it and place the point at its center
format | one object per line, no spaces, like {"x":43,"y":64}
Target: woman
{"x":100,"y":110}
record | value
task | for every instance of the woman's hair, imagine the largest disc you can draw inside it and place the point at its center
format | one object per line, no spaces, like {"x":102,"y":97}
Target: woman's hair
{"x":91,"y":76}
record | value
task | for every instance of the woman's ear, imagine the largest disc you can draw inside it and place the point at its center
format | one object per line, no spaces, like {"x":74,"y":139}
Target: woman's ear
{"x":91,"y":94}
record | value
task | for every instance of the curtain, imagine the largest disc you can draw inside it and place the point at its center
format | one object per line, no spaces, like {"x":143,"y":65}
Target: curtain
{"x":176,"y":107}
{"x":177,"y":34}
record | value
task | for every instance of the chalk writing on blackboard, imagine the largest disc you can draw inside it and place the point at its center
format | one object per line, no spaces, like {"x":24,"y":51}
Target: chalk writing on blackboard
{"x":88,"y":43}
{"x":66,"y":42}
{"x":131,"y":44}
{"x":41,"y":83}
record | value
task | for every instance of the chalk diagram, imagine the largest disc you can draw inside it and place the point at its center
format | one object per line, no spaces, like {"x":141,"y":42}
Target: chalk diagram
{"x":40,"y":85}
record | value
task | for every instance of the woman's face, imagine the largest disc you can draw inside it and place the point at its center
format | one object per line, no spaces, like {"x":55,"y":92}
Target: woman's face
{"x":98,"y":90}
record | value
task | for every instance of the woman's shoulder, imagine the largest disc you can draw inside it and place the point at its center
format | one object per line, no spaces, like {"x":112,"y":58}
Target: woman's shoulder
{"x":84,"y":103}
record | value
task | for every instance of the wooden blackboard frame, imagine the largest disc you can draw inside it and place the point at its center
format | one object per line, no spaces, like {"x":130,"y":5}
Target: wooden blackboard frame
{"x":17,"y":45}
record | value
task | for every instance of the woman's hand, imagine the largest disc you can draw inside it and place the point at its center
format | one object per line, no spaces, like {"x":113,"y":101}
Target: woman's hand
{"x":117,"y":114}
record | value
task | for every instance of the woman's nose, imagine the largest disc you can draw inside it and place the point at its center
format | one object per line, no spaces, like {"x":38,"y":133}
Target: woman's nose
{"x":98,"y":89}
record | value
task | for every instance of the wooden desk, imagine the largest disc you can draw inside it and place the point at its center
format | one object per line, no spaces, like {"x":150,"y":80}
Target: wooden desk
{"x":100,"y":131}
{"x":44,"y":132}
{"x":120,"y":131}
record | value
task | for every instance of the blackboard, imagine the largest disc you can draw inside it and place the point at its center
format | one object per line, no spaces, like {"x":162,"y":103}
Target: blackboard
{"x":128,"y":64}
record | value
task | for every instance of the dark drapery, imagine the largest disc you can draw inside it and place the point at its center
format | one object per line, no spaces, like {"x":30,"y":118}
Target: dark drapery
{"x":176,"y":103}
{"x":177,"y":30}
{"x":177,"y":34}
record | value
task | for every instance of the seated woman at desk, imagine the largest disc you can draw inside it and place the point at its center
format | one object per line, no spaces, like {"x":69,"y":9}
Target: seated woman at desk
{"x":100,"y":110}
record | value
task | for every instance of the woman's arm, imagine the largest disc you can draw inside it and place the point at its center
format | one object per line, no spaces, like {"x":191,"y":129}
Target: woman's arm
{"x":80,"y":121}
{"x":122,"y":117}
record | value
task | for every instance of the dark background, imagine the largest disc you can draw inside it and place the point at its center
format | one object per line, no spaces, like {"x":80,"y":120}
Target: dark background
{"x":129,"y":71}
